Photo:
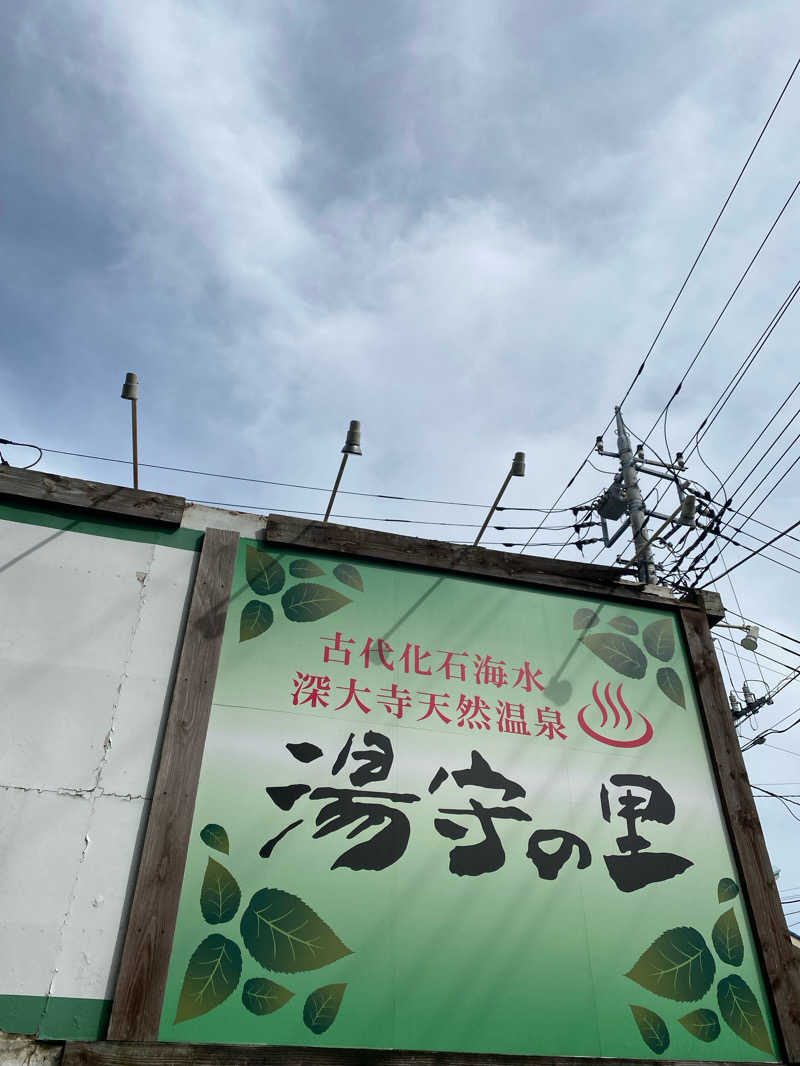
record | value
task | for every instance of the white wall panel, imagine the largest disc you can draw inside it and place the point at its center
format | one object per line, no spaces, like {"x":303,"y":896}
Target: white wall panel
{"x":88,"y":636}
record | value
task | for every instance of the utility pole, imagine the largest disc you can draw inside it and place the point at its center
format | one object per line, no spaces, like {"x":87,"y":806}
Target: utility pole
{"x":635,"y":505}
{"x":624,"y":497}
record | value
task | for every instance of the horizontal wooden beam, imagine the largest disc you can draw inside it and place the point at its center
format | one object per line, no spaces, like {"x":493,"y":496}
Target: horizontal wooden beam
{"x":129,"y":1054}
{"x":35,"y":485}
{"x":478,"y":562}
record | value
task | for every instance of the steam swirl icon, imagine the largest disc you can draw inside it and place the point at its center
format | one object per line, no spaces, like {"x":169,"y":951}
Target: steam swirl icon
{"x":613,"y":716}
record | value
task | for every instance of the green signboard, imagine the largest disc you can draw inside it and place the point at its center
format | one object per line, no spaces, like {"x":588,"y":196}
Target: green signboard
{"x":447,"y":813}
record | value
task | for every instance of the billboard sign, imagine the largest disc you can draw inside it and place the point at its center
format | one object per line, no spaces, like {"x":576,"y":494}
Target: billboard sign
{"x":449,"y":813}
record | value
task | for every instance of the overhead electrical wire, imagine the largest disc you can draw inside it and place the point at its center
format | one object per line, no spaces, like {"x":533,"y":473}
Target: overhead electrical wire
{"x":709,"y":234}
{"x":719,"y":404}
{"x":266,"y":509}
{"x":747,"y":558}
{"x":309,"y":488}
{"x":725,"y":307}
{"x":684,"y":283}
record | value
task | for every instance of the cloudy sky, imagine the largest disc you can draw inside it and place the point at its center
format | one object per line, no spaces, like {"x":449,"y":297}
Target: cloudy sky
{"x":460,"y":222}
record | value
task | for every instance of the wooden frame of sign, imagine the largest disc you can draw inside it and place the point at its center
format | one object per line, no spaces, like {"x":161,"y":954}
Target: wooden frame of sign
{"x":141,"y":984}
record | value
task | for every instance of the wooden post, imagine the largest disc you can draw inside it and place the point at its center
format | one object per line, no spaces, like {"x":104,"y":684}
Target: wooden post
{"x":779,"y":960}
{"x":139,"y":995}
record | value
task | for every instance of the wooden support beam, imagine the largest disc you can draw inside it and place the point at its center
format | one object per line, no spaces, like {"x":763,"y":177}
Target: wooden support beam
{"x":139,"y":995}
{"x":780,"y":962}
{"x":106,"y":1054}
{"x":40,"y":487}
{"x":474,"y":561}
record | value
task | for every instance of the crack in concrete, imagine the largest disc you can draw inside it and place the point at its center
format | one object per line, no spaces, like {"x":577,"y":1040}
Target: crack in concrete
{"x":144,"y":586}
{"x":95,"y":793}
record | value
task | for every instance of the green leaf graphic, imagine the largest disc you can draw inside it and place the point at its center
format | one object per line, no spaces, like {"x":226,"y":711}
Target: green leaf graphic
{"x":727,"y":889}
{"x":618,"y":652}
{"x":654,"y":1032}
{"x":739,"y":1008}
{"x":307,"y":603}
{"x":220,"y":895}
{"x":659,"y":639}
{"x":704,"y":1024}
{"x":215,"y":836}
{"x":727,"y":939}
{"x":671,"y":685}
{"x":677,"y":965}
{"x":322,"y":1006}
{"x":262,"y":996}
{"x":212,"y":974}
{"x":305,"y":568}
{"x":265,"y":574}
{"x":584,"y":619}
{"x":283,"y":933}
{"x":256,"y":619}
{"x":348,"y":575}
{"x":624,"y":625}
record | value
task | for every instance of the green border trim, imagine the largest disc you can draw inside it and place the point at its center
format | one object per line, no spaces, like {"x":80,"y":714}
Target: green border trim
{"x":55,"y":1017}
{"x":71,"y":521}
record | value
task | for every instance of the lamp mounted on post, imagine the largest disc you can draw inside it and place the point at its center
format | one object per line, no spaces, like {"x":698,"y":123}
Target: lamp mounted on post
{"x":352,"y":446}
{"x":517,"y":470}
{"x":130,"y":391}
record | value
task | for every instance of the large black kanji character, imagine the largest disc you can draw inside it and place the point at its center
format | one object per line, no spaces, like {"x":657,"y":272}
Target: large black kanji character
{"x":351,"y":807}
{"x":549,"y":863}
{"x":482,"y":775}
{"x":377,"y":764}
{"x":488,"y":854}
{"x":637,"y":867}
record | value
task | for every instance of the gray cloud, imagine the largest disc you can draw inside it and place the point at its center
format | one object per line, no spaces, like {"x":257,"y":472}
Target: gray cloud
{"x":461,"y":223}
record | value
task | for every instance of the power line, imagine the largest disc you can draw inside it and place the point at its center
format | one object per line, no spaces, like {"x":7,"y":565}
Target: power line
{"x":769,"y":629}
{"x":737,"y":378}
{"x":266,"y":509}
{"x":309,"y":488}
{"x":725,"y":307}
{"x":685,"y":281}
{"x":709,"y":235}
{"x":750,"y":556}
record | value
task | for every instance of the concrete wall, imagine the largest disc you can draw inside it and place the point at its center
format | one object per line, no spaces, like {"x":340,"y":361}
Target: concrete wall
{"x":87,"y":648}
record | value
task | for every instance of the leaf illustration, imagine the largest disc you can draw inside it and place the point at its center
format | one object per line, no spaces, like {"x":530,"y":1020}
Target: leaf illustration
{"x":704,"y":1024}
{"x":739,"y":1008}
{"x":677,"y":965}
{"x":620,"y":653}
{"x":348,"y":575}
{"x":308,"y":602}
{"x":216,"y":837}
{"x":305,"y":568}
{"x":671,"y":685}
{"x":256,"y":619}
{"x":727,"y":939}
{"x":220,"y":895}
{"x":262,"y":996}
{"x":322,"y":1006}
{"x":283,"y":933}
{"x":727,"y":889}
{"x":659,"y":639}
{"x":624,"y":625}
{"x":265,"y":574}
{"x":654,"y":1032}
{"x":584,"y":619}
{"x":212,"y":974}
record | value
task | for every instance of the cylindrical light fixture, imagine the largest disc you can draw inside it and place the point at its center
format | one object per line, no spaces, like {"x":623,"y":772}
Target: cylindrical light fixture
{"x":352,"y":446}
{"x":130,"y":391}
